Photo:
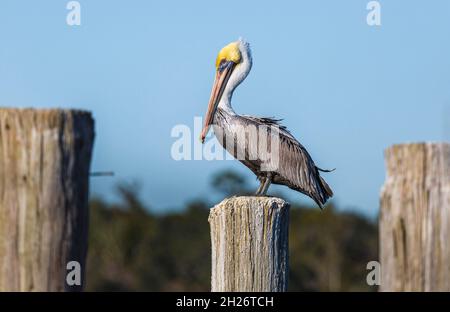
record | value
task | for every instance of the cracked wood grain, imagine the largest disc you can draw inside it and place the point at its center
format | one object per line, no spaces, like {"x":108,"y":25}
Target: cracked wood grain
{"x":249,"y":240}
{"x":415,"y":218}
{"x":44,"y":173}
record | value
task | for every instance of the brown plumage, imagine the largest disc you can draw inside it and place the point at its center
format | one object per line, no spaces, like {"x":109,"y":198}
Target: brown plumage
{"x":296,"y":169}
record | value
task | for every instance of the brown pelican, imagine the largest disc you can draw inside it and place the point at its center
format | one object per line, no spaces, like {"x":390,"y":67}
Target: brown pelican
{"x":295,"y":168}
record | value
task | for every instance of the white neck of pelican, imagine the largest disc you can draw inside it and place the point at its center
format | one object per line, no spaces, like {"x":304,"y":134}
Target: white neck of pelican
{"x":240,"y":72}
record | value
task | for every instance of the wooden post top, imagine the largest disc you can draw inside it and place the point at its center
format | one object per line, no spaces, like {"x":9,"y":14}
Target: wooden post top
{"x":249,"y":242}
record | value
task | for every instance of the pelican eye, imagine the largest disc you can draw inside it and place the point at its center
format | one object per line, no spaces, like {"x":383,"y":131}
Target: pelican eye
{"x":224,"y":64}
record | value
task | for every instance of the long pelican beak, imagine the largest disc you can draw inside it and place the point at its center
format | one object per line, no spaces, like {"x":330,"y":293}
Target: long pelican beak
{"x":220,"y":82}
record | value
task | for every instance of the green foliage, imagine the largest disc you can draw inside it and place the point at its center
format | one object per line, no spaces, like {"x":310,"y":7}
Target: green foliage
{"x":230,"y":183}
{"x":329,"y":250}
{"x":132,"y":249}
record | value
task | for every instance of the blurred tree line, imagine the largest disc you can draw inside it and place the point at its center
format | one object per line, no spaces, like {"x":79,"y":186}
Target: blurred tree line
{"x":131,"y":249}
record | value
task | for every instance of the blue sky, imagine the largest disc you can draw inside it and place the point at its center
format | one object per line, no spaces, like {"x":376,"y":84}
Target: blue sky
{"x":344,"y":89}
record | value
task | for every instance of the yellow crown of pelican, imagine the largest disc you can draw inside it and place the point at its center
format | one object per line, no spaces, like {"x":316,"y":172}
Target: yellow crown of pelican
{"x":230,"y":52}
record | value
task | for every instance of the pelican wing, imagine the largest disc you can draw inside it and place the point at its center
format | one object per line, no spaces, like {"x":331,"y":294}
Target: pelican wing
{"x":296,"y":168}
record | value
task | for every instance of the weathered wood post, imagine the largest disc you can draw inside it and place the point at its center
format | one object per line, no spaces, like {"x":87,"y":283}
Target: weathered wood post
{"x":44,"y":173}
{"x":249,"y":238}
{"x":415,"y":218}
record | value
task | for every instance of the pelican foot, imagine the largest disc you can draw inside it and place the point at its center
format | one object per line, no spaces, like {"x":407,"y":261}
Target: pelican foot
{"x":266,"y":184}
{"x":261,"y":186}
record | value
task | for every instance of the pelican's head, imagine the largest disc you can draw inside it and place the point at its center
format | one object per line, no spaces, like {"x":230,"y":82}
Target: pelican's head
{"x":228,"y":59}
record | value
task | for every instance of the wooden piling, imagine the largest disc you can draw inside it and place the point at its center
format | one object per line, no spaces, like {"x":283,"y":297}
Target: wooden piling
{"x":45,"y":157}
{"x":415,"y":218}
{"x":249,"y":238}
